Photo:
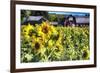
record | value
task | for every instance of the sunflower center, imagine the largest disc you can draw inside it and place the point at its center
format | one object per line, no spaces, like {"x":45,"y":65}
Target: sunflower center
{"x":37,"y":45}
{"x":85,"y":54}
{"x":45,"y":29}
{"x":30,"y":33}
{"x":57,"y":37}
{"x":57,"y":50}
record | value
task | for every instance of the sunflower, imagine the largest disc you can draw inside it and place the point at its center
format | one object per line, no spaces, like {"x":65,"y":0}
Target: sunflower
{"x":37,"y":46}
{"x":26,"y":30}
{"x":40,"y":39}
{"x":44,"y":30}
{"x":53,"y":29}
{"x":85,"y":54}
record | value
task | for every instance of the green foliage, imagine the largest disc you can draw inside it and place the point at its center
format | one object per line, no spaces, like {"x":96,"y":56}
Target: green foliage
{"x":52,"y":17}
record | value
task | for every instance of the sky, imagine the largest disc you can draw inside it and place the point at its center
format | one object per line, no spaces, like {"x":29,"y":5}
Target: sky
{"x":70,"y":13}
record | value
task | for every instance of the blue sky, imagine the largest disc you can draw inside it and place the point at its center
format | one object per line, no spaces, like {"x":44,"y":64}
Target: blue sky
{"x":70,"y":13}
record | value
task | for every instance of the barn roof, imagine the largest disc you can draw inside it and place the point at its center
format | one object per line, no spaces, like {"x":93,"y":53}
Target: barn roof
{"x":34,"y":18}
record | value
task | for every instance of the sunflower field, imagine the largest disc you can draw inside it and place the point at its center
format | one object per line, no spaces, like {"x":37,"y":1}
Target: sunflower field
{"x":46,"y":43}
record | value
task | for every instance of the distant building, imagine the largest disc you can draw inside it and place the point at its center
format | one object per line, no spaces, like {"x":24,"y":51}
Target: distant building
{"x":82,"y":21}
{"x":33,"y":20}
{"x":76,"y":21}
{"x":70,"y":21}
